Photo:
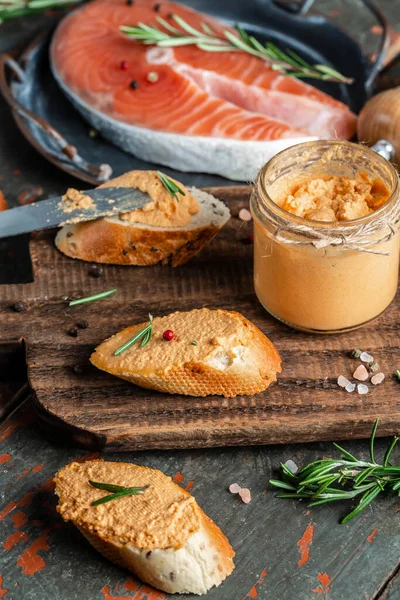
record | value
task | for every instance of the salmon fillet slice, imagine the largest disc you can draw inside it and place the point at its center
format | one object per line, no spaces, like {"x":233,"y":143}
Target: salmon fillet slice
{"x":228,"y":95}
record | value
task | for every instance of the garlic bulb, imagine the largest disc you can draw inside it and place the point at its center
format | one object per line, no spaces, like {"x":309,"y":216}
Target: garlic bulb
{"x":380,"y":119}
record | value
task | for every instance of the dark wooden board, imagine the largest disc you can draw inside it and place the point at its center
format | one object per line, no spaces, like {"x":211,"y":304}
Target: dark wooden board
{"x":94,"y":409}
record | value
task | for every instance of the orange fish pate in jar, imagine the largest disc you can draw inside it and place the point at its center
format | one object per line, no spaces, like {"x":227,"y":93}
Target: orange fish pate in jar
{"x":326,"y":236}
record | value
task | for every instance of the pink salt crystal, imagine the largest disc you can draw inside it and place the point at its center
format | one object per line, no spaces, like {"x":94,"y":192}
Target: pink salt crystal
{"x":342,"y":381}
{"x":350,"y":387}
{"x":244,"y":215}
{"x":365,"y":357}
{"x":362,"y":388}
{"x":234,"y":488}
{"x":245,"y":495}
{"x":361,"y":373}
{"x":377,"y":379}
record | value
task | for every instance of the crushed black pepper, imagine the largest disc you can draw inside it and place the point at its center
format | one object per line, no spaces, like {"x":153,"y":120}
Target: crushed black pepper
{"x":19,"y":307}
{"x":125,"y":252}
{"x":153,"y":249}
{"x":82,"y":324}
{"x":148,"y":554}
{"x":73,"y":332}
{"x":157,"y":7}
{"x":134,"y":85}
{"x":95,"y":271}
{"x":78,"y":369}
{"x":129,"y":2}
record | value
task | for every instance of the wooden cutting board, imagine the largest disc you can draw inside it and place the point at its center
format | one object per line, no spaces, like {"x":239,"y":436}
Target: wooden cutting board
{"x":78,"y":404}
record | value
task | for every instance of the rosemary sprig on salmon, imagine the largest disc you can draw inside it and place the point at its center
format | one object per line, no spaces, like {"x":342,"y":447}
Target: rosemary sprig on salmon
{"x":10,"y":9}
{"x":288,"y":63}
{"x":116,"y":491}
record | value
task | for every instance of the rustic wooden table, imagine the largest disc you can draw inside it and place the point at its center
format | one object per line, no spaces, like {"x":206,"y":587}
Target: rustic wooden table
{"x":283,"y":550}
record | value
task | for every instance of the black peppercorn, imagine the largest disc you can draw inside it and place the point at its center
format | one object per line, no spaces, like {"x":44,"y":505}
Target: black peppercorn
{"x":19,"y":307}
{"x":130,"y":2}
{"x":73,"y":332}
{"x":95,"y":271}
{"x":82,"y":324}
{"x":78,"y":369}
{"x":157,"y":7}
{"x":134,"y":85}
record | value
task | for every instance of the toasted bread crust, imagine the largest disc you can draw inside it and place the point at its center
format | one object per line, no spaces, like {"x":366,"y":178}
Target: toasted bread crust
{"x":110,"y":242}
{"x":195,"y":378}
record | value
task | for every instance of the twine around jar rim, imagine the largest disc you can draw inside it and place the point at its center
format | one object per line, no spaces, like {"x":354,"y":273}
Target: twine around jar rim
{"x":352,"y":237}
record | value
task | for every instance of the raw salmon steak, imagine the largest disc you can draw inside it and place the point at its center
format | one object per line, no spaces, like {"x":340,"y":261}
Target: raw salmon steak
{"x":221,"y":112}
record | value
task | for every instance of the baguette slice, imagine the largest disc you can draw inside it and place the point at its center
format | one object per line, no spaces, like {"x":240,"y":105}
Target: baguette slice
{"x":230,"y":356}
{"x":113,"y":241}
{"x":161,"y":535}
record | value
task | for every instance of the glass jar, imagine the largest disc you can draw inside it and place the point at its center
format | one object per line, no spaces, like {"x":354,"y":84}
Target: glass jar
{"x":317,"y":276}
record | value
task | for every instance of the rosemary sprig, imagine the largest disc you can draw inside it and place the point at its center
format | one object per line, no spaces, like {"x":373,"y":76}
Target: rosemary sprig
{"x":170,"y":186}
{"x":328,"y":480}
{"x":99,"y":296}
{"x":117,"y":491}
{"x":144,"y":335}
{"x":288,"y":63}
{"x":10,"y":9}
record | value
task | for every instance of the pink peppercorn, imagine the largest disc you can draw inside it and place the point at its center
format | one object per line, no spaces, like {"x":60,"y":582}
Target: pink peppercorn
{"x":123,"y":65}
{"x":168,"y":335}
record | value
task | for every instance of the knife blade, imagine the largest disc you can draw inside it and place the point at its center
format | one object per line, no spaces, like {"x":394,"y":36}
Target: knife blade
{"x":109,"y":201}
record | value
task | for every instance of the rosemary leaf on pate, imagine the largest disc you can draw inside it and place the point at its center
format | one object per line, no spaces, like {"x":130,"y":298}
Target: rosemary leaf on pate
{"x":144,"y":335}
{"x":117,"y":491}
{"x":172,"y":188}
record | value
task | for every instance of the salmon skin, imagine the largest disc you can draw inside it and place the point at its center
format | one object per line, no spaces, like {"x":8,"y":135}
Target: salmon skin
{"x":169,"y":99}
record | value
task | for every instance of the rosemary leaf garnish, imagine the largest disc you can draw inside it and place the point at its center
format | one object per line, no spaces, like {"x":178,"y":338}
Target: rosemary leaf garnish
{"x":10,"y":9}
{"x":144,"y":335}
{"x":328,"y":480}
{"x":194,"y":343}
{"x":92,"y":298}
{"x":397,"y":374}
{"x":288,"y":63}
{"x":118,"y":491}
{"x":170,"y":186}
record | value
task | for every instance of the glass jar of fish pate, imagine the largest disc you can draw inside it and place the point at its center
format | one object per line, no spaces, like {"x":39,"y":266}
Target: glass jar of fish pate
{"x":326,"y":236}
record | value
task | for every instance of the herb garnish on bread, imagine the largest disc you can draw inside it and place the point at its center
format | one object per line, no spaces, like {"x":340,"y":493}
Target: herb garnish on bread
{"x":230,"y":355}
{"x":170,"y":229}
{"x":161,"y":535}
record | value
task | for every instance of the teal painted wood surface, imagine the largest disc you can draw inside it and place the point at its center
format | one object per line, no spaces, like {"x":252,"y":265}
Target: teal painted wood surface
{"x":284,"y":551}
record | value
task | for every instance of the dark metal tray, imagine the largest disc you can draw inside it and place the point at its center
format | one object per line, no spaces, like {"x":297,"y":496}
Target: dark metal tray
{"x":56,"y":130}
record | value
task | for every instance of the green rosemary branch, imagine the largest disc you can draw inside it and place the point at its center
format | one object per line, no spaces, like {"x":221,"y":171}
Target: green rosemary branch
{"x":117,"y":491}
{"x":10,"y":9}
{"x":170,"y":186}
{"x":87,"y":299}
{"x":288,"y":63}
{"x":144,"y":335}
{"x":328,"y":480}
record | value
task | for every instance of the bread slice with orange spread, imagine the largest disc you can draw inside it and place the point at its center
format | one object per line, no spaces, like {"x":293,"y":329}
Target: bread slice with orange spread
{"x":212,"y":352}
{"x":168,"y":230}
{"x":161,"y":535}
